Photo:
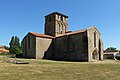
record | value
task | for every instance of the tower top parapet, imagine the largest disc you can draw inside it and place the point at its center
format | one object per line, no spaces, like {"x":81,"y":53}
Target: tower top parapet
{"x":57,"y":14}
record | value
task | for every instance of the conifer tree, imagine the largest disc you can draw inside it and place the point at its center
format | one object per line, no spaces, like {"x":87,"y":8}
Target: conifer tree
{"x":17,"y":42}
{"x":12,"y":42}
{"x":15,"y":47}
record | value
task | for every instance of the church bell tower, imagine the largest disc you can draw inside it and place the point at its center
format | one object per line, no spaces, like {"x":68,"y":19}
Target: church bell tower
{"x":56,"y":24}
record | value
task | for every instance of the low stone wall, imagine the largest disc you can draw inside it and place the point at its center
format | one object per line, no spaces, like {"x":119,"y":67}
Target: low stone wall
{"x":108,"y":56}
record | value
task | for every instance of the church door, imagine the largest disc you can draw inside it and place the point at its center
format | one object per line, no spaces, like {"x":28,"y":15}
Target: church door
{"x":94,"y":55}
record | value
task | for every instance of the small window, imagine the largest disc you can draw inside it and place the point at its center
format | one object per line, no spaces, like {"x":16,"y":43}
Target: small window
{"x":59,"y":28}
{"x":94,"y":39}
{"x":62,"y":28}
{"x":65,"y":28}
{"x":61,"y":32}
{"x":58,"y":16}
{"x":61,"y":18}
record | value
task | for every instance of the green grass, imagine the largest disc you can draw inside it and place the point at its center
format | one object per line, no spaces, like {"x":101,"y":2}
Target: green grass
{"x":60,"y":70}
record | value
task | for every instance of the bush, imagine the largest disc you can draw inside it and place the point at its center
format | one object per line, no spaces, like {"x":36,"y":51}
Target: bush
{"x":4,"y":53}
{"x":117,"y":57}
{"x":19,"y":55}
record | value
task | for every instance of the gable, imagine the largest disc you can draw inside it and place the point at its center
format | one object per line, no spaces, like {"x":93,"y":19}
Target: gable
{"x":94,"y":29}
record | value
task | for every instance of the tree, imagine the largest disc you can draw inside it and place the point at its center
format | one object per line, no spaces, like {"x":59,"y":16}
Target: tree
{"x":15,"y":47}
{"x":17,"y":42}
{"x":6,"y":47}
{"x":111,"y":49}
{"x":12,"y":42}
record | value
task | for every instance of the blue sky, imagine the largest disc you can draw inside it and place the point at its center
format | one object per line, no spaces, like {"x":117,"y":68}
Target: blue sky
{"x":18,"y":17}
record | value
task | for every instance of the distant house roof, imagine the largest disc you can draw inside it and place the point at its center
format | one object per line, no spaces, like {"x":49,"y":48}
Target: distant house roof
{"x":40,"y":35}
{"x":117,"y":54}
{"x":111,"y":52}
{"x":2,"y":49}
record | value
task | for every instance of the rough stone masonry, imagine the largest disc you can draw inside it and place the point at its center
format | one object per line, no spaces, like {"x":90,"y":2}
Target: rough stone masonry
{"x":60,"y":44}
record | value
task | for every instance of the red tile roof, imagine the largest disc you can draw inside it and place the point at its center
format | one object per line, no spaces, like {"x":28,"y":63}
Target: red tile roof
{"x":1,"y":47}
{"x":79,"y":31}
{"x":110,"y":52}
{"x":48,"y":36}
{"x":4,"y":50}
{"x":60,"y":35}
{"x":40,"y":35}
{"x":71,"y":33}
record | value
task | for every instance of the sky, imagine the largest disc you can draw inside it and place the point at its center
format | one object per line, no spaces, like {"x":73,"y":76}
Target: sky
{"x":18,"y":17}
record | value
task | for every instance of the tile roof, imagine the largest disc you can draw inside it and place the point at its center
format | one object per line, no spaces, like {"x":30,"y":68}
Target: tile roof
{"x":110,"y":52}
{"x":4,"y":50}
{"x":79,"y":31}
{"x":41,"y":35}
{"x":60,"y":35}
{"x":71,"y":33}
{"x":1,"y":46}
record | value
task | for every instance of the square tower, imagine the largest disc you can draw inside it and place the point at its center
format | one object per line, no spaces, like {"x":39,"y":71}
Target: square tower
{"x":56,"y":24}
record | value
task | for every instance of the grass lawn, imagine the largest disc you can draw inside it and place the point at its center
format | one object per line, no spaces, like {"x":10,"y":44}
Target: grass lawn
{"x":60,"y":70}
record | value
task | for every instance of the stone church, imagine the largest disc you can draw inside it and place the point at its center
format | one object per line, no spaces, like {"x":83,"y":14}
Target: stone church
{"x":57,"y":43}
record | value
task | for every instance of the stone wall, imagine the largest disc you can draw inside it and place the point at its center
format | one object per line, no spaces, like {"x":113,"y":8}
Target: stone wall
{"x":56,"y":24}
{"x":37,"y":47}
{"x":29,"y":48}
{"x":95,"y":44}
{"x":44,"y":48}
{"x":71,"y":47}
{"x":60,"y":48}
{"x":78,"y":46}
{"x":108,"y":56}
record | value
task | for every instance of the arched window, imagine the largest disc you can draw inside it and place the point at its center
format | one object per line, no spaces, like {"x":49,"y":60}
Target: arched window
{"x":95,"y":55}
{"x":50,"y":18}
{"x":95,"y":39}
{"x":62,"y":28}
{"x":61,"y":18}
{"x":58,"y":28}
{"x":65,"y":28}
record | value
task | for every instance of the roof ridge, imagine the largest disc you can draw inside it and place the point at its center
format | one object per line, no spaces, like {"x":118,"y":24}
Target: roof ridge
{"x":41,"y":35}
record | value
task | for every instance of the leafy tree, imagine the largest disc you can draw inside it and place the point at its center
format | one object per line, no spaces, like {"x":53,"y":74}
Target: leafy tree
{"x":6,"y":47}
{"x":17,"y":42}
{"x":16,"y":50}
{"x":111,"y":49}
{"x":15,"y":47}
